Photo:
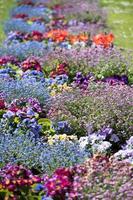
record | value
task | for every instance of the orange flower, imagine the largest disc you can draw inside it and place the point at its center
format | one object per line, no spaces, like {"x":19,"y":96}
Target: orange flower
{"x":49,"y":34}
{"x":73,"y":38}
{"x":98,"y":39}
{"x":57,"y":35}
{"x":103,"y":40}
{"x":83,"y":37}
{"x":61,"y":35}
{"x":110,"y":38}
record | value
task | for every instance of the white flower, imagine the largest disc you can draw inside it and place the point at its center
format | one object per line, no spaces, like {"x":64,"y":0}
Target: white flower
{"x":102,"y":147}
{"x":83,"y":141}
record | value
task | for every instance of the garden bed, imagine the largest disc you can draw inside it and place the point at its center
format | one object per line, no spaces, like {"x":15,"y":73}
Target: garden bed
{"x":66,"y":94}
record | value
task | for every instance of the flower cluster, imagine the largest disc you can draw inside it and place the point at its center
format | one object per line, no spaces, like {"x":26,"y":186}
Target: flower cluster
{"x":31,"y":63}
{"x":60,"y":69}
{"x":24,"y":104}
{"x":82,"y":81}
{"x":90,"y":180}
{"x":32,"y":11}
{"x":61,"y":35}
{"x":15,"y":177}
{"x":61,"y":137}
{"x":127,"y":152}
{"x":110,"y":63}
{"x":34,"y":35}
{"x":24,"y":50}
{"x":64,"y":181}
{"x":25,"y":88}
{"x":8,"y":59}
{"x":36,"y":154}
{"x":104,"y":40}
{"x":22,"y":26}
{"x":100,"y":106}
{"x":17,"y":181}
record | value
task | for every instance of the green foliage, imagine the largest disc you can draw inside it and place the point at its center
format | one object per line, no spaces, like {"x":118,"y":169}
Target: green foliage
{"x":46,"y":126}
{"x":25,"y":193}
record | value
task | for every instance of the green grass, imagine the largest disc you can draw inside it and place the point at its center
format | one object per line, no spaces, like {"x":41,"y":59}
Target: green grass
{"x":120,"y":21}
{"x":5,"y":7}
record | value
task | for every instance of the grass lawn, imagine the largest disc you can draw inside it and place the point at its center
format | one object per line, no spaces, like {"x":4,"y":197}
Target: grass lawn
{"x":120,"y":21}
{"x":5,"y":6}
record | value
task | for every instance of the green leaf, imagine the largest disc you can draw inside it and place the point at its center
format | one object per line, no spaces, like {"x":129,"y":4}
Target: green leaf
{"x":44,"y":122}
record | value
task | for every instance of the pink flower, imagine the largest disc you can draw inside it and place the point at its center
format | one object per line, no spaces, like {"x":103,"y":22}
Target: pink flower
{"x":59,"y":183}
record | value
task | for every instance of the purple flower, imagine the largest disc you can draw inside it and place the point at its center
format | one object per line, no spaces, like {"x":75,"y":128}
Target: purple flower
{"x":106,"y":132}
{"x":114,"y":138}
{"x":116,"y":79}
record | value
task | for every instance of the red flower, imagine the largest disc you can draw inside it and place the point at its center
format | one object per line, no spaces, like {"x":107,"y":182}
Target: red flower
{"x":81,"y":37}
{"x":61,"y":69}
{"x":35,"y":35}
{"x":34,"y":19}
{"x":57,"y":7}
{"x":14,"y":177}
{"x":63,"y":172}
{"x":8,"y":59}
{"x":31,"y":63}
{"x":26,"y":2}
{"x":14,"y":109}
{"x":53,"y":74}
{"x":21,"y":16}
{"x":110,"y":38}
{"x":2,"y":104}
{"x":60,"y":182}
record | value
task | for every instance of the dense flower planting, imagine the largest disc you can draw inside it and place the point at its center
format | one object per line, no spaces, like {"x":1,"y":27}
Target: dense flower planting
{"x":66,"y":94}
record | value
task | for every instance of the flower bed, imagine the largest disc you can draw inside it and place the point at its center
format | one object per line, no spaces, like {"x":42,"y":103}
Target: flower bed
{"x":65,"y":105}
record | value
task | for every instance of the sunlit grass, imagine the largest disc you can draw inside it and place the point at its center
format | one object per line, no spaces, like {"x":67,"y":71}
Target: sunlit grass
{"x":5,"y":7}
{"x":120,"y":20}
